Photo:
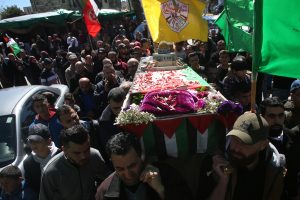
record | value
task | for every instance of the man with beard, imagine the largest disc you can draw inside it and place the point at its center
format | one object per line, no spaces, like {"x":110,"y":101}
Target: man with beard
{"x":255,"y":169}
{"x":272,"y":109}
{"x":72,"y":174}
{"x":285,"y":140}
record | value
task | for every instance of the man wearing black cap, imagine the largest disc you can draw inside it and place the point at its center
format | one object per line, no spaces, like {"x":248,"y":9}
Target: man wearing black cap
{"x":48,"y":75}
{"x":293,"y":107}
{"x":101,"y":54}
{"x":255,"y":169}
{"x":43,"y":149}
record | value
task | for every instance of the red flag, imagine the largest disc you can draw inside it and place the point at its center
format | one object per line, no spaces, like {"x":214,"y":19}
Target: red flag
{"x":92,"y":24}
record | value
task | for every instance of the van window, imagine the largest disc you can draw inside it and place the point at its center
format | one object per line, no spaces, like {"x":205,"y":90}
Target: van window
{"x":8,"y":146}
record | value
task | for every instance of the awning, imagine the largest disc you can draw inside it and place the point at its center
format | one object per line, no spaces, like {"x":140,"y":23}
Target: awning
{"x":57,"y":17}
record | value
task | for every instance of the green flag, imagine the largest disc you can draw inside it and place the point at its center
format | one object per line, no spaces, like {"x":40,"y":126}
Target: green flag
{"x":277,"y":37}
{"x":236,"y":24}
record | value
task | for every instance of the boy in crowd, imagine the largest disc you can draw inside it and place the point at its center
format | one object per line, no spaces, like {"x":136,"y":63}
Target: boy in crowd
{"x":12,"y":185}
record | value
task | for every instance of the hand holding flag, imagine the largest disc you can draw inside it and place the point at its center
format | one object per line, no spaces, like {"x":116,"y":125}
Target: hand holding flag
{"x":10,"y":43}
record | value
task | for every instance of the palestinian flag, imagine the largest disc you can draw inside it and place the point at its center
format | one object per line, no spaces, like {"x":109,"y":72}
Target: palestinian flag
{"x":10,"y":43}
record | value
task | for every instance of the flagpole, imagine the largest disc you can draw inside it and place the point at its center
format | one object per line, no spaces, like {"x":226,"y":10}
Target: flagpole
{"x":254,"y":67}
{"x":90,"y":40}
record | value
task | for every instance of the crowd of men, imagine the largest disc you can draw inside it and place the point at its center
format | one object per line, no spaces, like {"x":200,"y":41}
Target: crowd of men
{"x":78,"y":152}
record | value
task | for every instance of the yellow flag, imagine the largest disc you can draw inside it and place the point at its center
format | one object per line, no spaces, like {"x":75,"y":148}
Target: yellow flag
{"x":175,"y":20}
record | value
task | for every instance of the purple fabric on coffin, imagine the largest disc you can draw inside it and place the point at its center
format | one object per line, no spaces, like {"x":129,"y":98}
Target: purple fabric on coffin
{"x":170,"y":102}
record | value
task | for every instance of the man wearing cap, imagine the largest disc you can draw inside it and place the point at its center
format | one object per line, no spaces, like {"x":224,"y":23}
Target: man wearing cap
{"x":43,"y":149}
{"x":293,"y":107}
{"x":73,"y":173}
{"x":48,"y":76}
{"x":254,"y":169}
{"x":98,"y":60}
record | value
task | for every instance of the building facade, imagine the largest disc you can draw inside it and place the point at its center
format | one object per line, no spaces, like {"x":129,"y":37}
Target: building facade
{"x":28,"y":10}
{"x":39,"y":6}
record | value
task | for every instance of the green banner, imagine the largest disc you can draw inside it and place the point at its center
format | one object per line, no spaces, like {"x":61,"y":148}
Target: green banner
{"x":277,"y":34}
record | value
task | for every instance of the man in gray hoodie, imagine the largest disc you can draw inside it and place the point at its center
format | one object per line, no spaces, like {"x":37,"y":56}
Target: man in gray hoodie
{"x":73,"y":173}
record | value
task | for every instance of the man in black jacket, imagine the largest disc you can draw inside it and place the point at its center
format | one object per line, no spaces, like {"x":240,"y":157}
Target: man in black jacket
{"x":43,"y":149}
{"x":285,"y":140}
{"x":132,"y":179}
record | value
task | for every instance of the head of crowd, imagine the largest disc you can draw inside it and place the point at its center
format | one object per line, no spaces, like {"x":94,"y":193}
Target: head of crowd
{"x":78,"y":152}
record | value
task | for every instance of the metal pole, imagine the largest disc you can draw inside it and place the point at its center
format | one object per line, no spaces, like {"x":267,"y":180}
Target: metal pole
{"x":254,"y":67}
{"x":90,"y":40}
{"x":129,"y":3}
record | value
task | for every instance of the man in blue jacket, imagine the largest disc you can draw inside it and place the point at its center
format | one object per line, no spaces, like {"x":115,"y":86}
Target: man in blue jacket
{"x":46,"y":117}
